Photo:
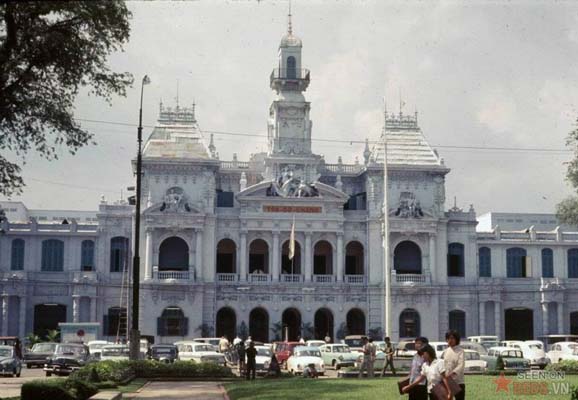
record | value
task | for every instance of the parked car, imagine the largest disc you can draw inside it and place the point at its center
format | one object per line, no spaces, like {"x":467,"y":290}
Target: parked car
{"x":549,"y":340}
{"x":166,"y":353}
{"x":263,"y":359}
{"x":511,"y":359}
{"x":405,"y":348}
{"x":355,"y":342}
{"x":439,"y":347}
{"x":10,"y":363}
{"x":115,"y":352}
{"x":474,"y":362}
{"x":315,"y":343}
{"x":302,"y":357}
{"x":466,"y":345}
{"x":563,"y":351}
{"x":95,"y":348}
{"x":214,"y":341}
{"x":338,"y":355}
{"x":284,"y":350}
{"x":199,"y":352}
{"x":532,"y":350}
{"x":483,"y":339}
{"x":67,"y":357}
{"x":39,"y":353}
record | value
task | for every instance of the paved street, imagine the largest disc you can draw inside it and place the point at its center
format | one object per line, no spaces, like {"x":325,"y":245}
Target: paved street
{"x":10,"y":387}
{"x":180,"y":391}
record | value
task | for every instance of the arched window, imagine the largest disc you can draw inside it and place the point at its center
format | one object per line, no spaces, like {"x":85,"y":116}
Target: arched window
{"x":226,"y":322}
{"x":226,"y":257}
{"x":409,"y":324}
{"x":322,"y":258}
{"x":355,"y":322}
{"x":573,"y":263}
{"x":291,"y":67}
{"x":17,"y":256}
{"x":174,"y":255}
{"x":485,"y":261}
{"x":574,"y":323}
{"x":407,"y":258}
{"x":354,"y":258}
{"x":118,"y":254}
{"x":87,"y":255}
{"x":291,"y":266}
{"x":455,"y":259}
{"x":52,"y":255}
{"x":172,"y":322}
{"x":547,"y":263}
{"x":258,"y":257}
{"x":457,"y":322}
{"x":516,"y":262}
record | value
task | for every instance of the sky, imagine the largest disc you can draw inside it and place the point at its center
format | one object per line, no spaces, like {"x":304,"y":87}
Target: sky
{"x":480,"y":74}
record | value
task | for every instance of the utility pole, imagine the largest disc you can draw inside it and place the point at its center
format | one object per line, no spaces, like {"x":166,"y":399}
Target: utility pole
{"x":134,"y":332}
{"x":386,"y":257}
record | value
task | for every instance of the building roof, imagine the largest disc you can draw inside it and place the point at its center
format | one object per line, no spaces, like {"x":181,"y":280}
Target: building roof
{"x":406,"y":144}
{"x":176,"y":135}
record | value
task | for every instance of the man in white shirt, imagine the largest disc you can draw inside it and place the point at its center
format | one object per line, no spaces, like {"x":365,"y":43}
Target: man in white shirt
{"x":455,"y":363}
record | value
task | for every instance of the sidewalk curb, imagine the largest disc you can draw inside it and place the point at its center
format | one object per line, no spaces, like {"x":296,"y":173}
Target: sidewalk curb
{"x":225,"y":395}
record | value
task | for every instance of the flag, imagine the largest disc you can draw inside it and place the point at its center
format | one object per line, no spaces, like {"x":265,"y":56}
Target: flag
{"x":292,"y":240}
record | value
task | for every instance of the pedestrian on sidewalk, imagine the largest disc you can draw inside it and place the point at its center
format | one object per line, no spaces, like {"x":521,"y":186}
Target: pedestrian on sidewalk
{"x":388,"y":357}
{"x":241,"y":354}
{"x":251,"y":361}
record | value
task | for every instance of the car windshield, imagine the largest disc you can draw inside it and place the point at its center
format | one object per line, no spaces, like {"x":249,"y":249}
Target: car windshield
{"x":354,"y":342}
{"x":163,"y":350}
{"x":512,"y":354}
{"x":70,"y":350}
{"x":535,"y":346}
{"x":488,"y":345}
{"x":5,"y":352}
{"x":341,"y":349}
{"x":204,"y":347}
{"x":472,"y":356}
{"x":308,"y":353}
{"x":43,"y":348}
{"x":97,"y":346}
{"x":115,"y":351}
{"x":264,"y":352}
{"x":408,"y":346}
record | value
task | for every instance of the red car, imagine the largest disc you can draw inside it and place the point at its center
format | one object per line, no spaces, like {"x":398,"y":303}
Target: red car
{"x":284,"y":350}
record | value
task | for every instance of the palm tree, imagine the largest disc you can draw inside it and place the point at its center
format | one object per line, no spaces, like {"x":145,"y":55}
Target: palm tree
{"x":31,"y":339}
{"x":307,"y":330}
{"x":277,"y":330}
{"x":205,"y":330}
{"x":52,"y":335}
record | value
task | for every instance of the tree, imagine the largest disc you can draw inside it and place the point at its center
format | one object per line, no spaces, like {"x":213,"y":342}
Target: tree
{"x":242,"y":330}
{"x":52,"y":335}
{"x":567,"y":209}
{"x":307,"y":330}
{"x":31,"y":339}
{"x":205,"y":330}
{"x":49,"y":50}
{"x":277,"y":330}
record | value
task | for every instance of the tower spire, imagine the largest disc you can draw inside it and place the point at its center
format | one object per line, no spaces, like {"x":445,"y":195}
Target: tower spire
{"x":289,"y":25}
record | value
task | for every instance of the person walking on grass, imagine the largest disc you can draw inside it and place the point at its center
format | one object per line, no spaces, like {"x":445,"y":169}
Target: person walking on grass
{"x":418,"y":392}
{"x":251,"y":361}
{"x":372,"y":355}
{"x":455,"y":362}
{"x":388,"y":357}
{"x":366,"y":351}
{"x":241,"y":354}
{"x":432,"y":370}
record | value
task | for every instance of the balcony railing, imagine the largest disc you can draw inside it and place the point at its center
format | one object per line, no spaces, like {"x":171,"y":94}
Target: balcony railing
{"x":173,"y":275}
{"x":409,"y":279}
{"x":355,"y":279}
{"x":291,"y":278}
{"x":85,"y":276}
{"x":290,"y":74}
{"x":323,"y":278}
{"x":259,"y":278}
{"x":227,"y":278}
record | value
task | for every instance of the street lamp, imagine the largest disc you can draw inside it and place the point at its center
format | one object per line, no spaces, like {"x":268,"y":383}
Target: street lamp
{"x":134,"y":332}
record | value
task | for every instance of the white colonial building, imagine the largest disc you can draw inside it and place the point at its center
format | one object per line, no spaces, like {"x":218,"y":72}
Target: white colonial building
{"x":215,"y":243}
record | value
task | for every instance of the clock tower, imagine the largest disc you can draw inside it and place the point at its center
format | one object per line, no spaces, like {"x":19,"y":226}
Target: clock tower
{"x":289,"y":126}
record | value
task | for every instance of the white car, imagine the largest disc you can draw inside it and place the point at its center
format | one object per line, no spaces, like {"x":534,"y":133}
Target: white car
{"x":563,"y":351}
{"x":95,"y":348}
{"x":263,"y":359}
{"x":439,"y":347}
{"x":315,"y":343}
{"x":199,"y":352}
{"x":302,"y":357}
{"x":473,"y":362}
{"x":533,"y":351}
{"x":115,"y":352}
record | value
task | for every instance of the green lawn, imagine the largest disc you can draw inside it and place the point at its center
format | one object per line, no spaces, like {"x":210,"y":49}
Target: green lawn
{"x":132,"y":386}
{"x":478,"y":388}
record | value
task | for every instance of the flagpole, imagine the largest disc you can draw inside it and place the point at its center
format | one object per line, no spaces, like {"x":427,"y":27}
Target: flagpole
{"x":386,"y":257}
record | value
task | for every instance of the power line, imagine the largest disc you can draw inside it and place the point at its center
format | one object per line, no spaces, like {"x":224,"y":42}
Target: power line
{"x":346,"y":141}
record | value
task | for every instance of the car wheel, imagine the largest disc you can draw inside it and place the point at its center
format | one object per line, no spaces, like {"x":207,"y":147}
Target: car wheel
{"x":29,"y":366}
{"x":48,"y":373}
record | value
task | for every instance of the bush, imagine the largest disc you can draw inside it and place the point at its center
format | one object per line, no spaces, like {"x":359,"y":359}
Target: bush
{"x":80,"y":390}
{"x":568,"y":366}
{"x":574,"y":392}
{"x":46,"y":390}
{"x":115,"y":371}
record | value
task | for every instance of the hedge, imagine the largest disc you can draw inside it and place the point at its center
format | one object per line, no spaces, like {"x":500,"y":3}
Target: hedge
{"x":120,"y":371}
{"x":568,"y":366}
{"x":61,"y":389}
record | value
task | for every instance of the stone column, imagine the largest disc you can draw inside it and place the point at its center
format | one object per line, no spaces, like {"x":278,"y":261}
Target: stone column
{"x":482,"y":318}
{"x":198,"y":271}
{"x":545,"y":319}
{"x":149,"y":255}
{"x":22,"y":328}
{"x":75,"y":308}
{"x":243,"y":257}
{"x":432,"y":255}
{"x":308,"y":257}
{"x":93,"y":317}
{"x":340,"y":260}
{"x":560,"y":309}
{"x":275,"y":264}
{"x":5,"y":304}
{"x":498,"y":317}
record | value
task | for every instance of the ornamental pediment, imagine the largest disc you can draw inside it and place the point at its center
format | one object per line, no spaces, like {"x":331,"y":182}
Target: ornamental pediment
{"x":313,"y":192}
